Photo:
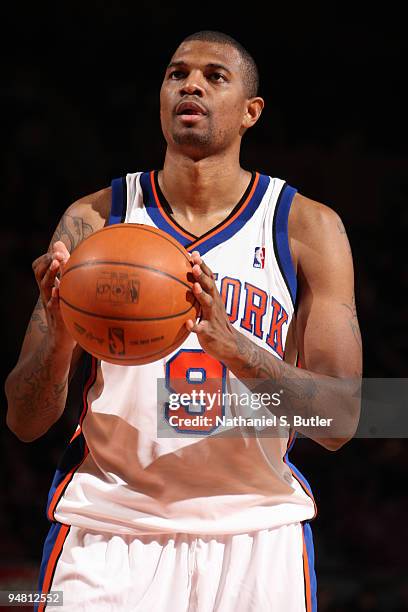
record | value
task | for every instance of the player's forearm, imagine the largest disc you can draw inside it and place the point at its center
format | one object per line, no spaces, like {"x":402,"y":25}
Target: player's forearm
{"x":303,"y":394}
{"x":37,"y":389}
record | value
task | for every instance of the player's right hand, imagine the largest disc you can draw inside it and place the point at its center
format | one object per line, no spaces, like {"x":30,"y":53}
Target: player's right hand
{"x":47,"y":270}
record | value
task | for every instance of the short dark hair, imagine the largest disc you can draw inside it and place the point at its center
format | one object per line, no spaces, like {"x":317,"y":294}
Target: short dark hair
{"x":250,"y":69}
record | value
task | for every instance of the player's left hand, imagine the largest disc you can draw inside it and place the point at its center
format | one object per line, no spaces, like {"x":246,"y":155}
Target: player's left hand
{"x":214,"y":330}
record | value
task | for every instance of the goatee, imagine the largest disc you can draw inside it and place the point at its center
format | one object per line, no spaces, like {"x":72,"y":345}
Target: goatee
{"x":192,"y":138}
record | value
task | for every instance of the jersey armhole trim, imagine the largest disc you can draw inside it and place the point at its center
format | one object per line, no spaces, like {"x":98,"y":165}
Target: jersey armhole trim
{"x":119,"y":201}
{"x":281,"y":239}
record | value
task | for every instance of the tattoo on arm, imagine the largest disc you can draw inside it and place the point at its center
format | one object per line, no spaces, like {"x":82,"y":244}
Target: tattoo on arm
{"x":299,"y":388}
{"x":354,"y":321}
{"x":253,"y":358}
{"x":342,"y":230}
{"x":38,"y":319}
{"x":341,"y":227}
{"x":72,"y":230}
{"x":37,"y":387}
{"x":262,"y":365}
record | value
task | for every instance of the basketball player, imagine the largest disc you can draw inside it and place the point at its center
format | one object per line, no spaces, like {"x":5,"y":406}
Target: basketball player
{"x":140,"y":522}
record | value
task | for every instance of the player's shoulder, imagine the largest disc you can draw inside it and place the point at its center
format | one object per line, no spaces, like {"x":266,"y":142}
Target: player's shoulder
{"x":311,"y":221}
{"x":94,"y":207}
{"x":316,"y":233}
{"x":82,"y":218}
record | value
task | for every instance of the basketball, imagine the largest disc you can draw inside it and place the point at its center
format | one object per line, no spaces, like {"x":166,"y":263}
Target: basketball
{"x":125,"y":294}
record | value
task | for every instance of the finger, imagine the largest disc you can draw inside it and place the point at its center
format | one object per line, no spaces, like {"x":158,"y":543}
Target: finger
{"x":206,"y":282}
{"x":40,"y":266}
{"x":204,"y":299}
{"x":53,"y":302}
{"x":196,"y":258}
{"x":62,"y":268}
{"x":48,"y":280}
{"x":61,"y":253}
{"x":42,"y":263}
{"x":207,"y":270}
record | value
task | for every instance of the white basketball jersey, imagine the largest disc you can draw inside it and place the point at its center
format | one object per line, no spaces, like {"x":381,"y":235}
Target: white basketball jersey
{"x":119,"y":474}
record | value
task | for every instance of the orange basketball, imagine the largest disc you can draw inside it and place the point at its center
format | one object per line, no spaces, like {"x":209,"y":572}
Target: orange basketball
{"x":125,"y":294}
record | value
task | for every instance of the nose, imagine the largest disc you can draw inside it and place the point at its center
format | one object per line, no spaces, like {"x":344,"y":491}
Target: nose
{"x":192,"y":86}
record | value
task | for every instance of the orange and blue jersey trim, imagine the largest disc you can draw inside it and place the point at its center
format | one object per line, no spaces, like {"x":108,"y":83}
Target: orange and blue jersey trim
{"x":77,"y":450}
{"x":119,"y":201}
{"x":308,"y":550}
{"x":157,"y":209}
{"x":309,"y":575}
{"x":281,"y":239}
{"x":295,"y":472}
{"x":53,"y":546}
{"x":73,"y":458}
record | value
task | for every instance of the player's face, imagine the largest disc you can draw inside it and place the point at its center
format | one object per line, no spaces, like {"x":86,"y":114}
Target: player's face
{"x":203,"y":104}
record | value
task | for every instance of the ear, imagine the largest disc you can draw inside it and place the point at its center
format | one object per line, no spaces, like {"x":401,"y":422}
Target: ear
{"x":254,"y":108}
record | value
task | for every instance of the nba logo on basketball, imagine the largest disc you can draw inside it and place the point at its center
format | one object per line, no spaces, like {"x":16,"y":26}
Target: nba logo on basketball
{"x":259,"y":257}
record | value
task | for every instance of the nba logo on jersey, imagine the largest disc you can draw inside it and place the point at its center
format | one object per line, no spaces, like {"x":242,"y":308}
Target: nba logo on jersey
{"x":259,"y":257}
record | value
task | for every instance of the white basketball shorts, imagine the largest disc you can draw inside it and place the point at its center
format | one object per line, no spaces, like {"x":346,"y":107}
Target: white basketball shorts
{"x":268,"y":570}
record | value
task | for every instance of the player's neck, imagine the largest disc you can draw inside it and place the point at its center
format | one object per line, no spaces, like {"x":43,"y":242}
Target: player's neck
{"x":201,"y":188}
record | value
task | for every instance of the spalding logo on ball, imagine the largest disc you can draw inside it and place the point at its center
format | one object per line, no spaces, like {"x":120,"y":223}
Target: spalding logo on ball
{"x":125,"y":294}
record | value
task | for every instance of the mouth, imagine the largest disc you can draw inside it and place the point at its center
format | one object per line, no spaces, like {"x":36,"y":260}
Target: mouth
{"x":190,"y":111}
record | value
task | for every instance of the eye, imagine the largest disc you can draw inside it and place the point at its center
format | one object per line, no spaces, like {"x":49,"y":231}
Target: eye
{"x":217,"y":76}
{"x":176,"y":74}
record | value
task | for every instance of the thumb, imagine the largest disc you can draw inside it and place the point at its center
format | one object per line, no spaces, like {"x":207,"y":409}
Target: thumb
{"x":197,"y":328}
